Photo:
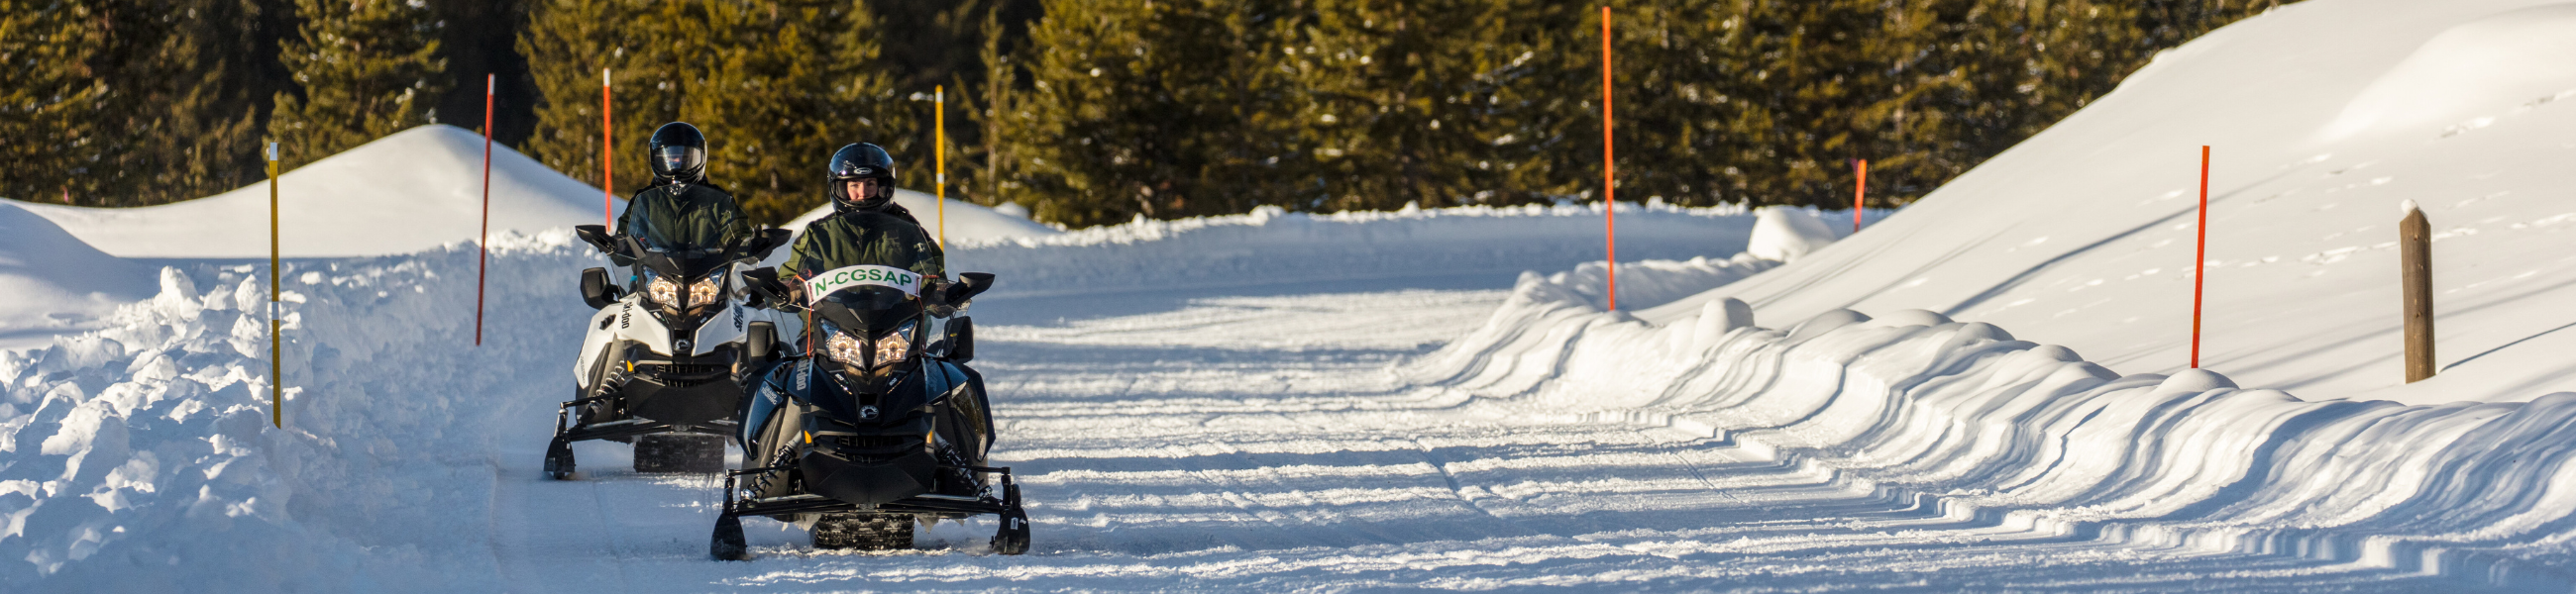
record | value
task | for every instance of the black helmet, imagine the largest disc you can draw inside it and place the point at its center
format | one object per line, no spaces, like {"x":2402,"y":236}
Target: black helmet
{"x":679,"y":153}
{"x":856,"y":162}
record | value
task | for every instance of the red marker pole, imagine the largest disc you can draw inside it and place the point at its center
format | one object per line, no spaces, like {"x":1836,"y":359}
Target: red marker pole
{"x":2199,"y":275}
{"x":1860,"y":187}
{"x":1609,"y":168}
{"x":607,"y":181}
{"x":484,"y":242}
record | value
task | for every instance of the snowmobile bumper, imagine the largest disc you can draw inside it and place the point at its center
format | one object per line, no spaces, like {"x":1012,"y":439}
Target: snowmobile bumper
{"x":1010,"y":538}
{"x":869,"y":482}
{"x":694,"y":398}
{"x":736,"y":505}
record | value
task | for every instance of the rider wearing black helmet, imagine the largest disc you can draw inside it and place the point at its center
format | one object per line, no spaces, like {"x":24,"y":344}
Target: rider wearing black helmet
{"x":680,"y":208}
{"x":866,"y":226}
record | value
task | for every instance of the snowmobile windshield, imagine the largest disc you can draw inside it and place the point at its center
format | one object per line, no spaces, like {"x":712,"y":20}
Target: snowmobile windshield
{"x":873,"y":310}
{"x":678,"y":253}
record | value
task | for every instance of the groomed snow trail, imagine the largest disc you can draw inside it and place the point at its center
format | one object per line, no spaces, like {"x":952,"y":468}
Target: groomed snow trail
{"x":1265,"y":443}
{"x":1403,"y":428}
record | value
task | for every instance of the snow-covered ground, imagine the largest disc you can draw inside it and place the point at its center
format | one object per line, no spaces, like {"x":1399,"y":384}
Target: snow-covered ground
{"x":2322,"y":117}
{"x":1373,"y":401}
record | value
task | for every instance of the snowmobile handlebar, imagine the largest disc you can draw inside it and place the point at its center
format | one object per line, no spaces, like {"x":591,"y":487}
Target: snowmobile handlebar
{"x":598,"y":237}
{"x":752,"y":248}
{"x":942,"y":296}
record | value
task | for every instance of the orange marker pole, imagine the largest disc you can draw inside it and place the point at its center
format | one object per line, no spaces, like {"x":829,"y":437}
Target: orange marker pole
{"x":607,"y":181}
{"x":1860,"y":188}
{"x":1609,"y":168}
{"x":484,"y":243}
{"x":2199,"y":274}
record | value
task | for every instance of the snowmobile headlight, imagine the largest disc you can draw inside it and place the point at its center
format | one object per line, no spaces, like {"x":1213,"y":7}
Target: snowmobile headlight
{"x":663,"y":291}
{"x":704,"y":291}
{"x":894,"y":347}
{"x":846,"y":349}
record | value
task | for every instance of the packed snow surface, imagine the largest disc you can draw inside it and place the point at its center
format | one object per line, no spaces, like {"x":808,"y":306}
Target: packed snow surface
{"x":1441,"y":399}
{"x":2321,"y":118}
{"x":1403,"y":432}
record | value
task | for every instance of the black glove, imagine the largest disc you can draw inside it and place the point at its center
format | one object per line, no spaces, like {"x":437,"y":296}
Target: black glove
{"x":934,"y":297}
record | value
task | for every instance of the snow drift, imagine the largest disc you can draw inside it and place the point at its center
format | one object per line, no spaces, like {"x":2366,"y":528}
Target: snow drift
{"x":51,"y":283}
{"x":2016,"y":435}
{"x":2322,"y":117}
{"x":140,"y":457}
{"x":1272,"y":246}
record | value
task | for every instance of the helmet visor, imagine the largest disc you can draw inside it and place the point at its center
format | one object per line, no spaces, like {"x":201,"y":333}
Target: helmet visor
{"x":862,"y":189}
{"x":845,"y":169}
{"x":676,"y":159}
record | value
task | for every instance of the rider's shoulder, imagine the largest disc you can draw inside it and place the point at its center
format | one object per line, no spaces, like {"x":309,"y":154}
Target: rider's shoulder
{"x":870,"y":219}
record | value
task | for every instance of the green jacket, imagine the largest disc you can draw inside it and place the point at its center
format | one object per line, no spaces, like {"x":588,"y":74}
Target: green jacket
{"x":693,"y":215}
{"x":888,"y":237}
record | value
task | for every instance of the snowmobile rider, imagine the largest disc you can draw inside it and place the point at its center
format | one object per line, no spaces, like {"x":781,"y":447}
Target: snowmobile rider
{"x":681,"y":208}
{"x":866,"y":227}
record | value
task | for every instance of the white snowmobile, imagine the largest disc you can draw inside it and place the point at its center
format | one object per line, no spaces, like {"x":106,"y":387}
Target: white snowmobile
{"x":662,"y":366}
{"x":880,"y":427}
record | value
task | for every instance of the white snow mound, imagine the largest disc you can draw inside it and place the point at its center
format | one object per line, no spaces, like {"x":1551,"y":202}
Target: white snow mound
{"x":2322,"y":117}
{"x":51,"y":282}
{"x":967,"y":223}
{"x":411,"y":191}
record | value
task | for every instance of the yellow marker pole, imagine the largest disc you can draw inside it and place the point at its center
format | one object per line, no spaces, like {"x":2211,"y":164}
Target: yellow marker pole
{"x":276,"y":351}
{"x":939,"y":119}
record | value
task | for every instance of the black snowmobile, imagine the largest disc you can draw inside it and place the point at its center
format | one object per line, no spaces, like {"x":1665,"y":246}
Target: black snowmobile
{"x":878,"y":427}
{"x":662,"y":364}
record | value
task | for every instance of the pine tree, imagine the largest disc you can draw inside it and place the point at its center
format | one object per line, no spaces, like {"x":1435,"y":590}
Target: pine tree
{"x":1159,"y":108}
{"x":113,"y":103}
{"x":52,"y":108}
{"x":1442,"y":103}
{"x":568,"y":43}
{"x":776,"y":87}
{"x":987,"y":106}
{"x":368,"y":68}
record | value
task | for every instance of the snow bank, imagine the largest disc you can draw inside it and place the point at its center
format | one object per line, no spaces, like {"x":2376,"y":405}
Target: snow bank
{"x":140,"y":457}
{"x":52,"y":283}
{"x":1270,"y":246}
{"x":2322,"y":117}
{"x":967,"y":223}
{"x":411,"y":191}
{"x":2026,"y":436}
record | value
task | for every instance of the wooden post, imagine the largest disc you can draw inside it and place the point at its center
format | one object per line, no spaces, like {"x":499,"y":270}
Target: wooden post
{"x":2415,"y":254}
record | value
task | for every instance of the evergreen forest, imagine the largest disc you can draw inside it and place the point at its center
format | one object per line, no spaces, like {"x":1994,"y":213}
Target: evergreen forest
{"x":1086,"y":112}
